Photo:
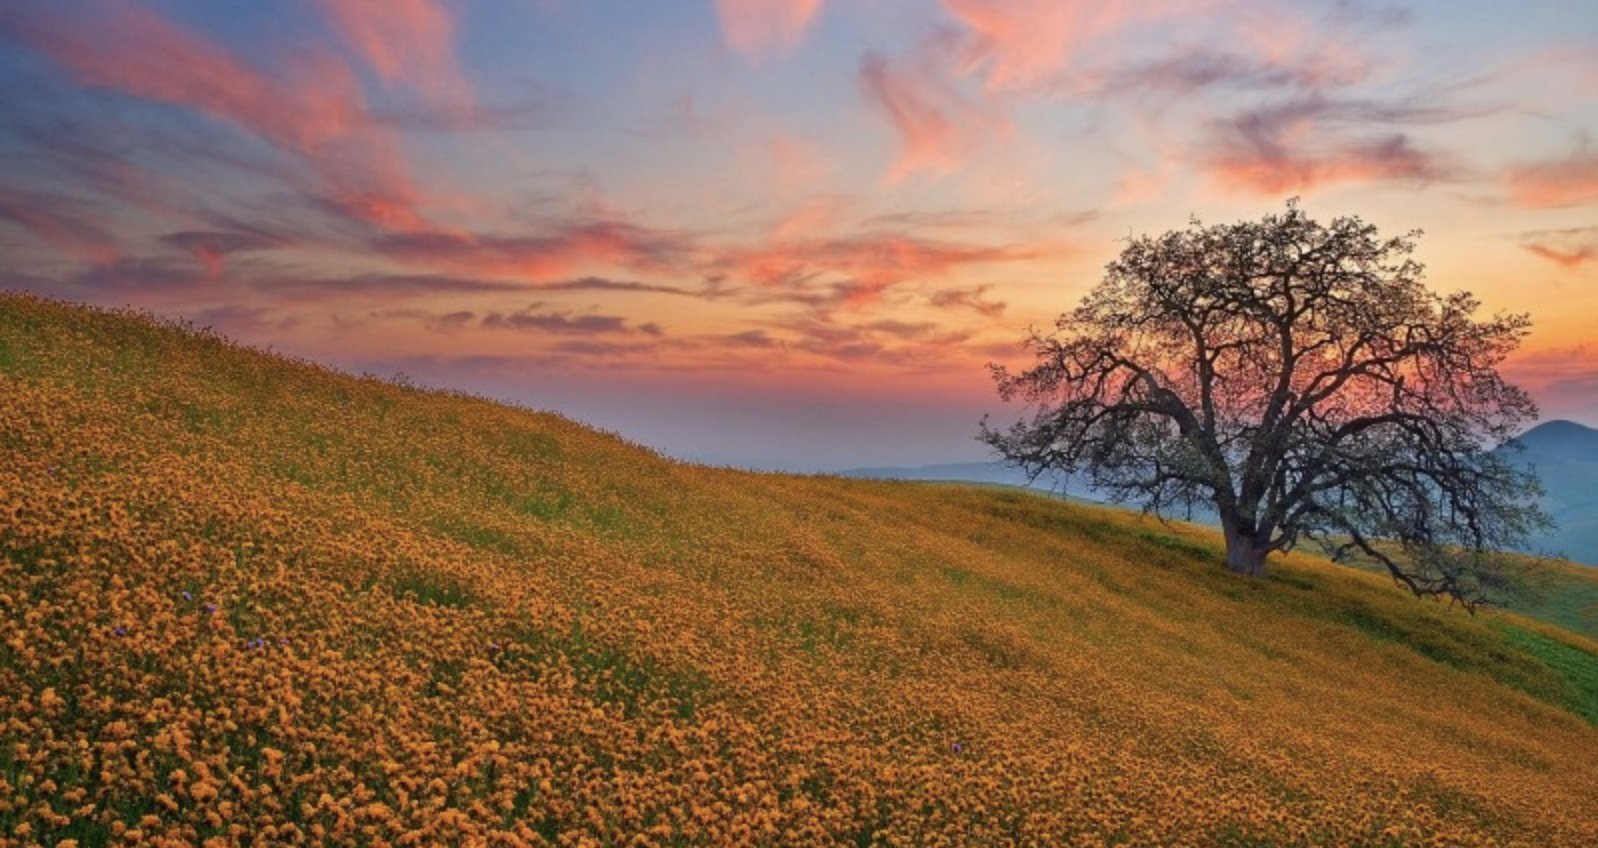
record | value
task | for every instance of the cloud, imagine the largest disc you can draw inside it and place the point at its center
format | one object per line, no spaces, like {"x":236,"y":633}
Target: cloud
{"x":1567,"y":258}
{"x":405,"y":42}
{"x":244,"y":321}
{"x":1304,"y":143}
{"x":565,"y":247}
{"x":1022,"y":43}
{"x":59,"y":221}
{"x":883,"y":341}
{"x":868,"y":260}
{"x":536,"y":112}
{"x":564,"y":323}
{"x":316,"y":112}
{"x":940,"y":126}
{"x":973,"y":298}
{"x":154,"y":279}
{"x":609,"y":285}
{"x":210,"y":248}
{"x":752,"y":27}
{"x":1571,"y":181}
{"x":1564,"y":380}
{"x":370,"y":285}
{"x":756,"y":339}
{"x":1570,"y":248}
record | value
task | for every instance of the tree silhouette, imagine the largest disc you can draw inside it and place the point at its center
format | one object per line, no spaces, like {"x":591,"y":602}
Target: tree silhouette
{"x":1301,"y":380}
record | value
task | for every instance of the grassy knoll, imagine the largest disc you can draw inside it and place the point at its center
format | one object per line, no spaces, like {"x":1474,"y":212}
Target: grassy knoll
{"x":247,"y":598}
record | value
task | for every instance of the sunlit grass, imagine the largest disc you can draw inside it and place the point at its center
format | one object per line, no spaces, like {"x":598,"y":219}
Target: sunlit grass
{"x":244,"y":598}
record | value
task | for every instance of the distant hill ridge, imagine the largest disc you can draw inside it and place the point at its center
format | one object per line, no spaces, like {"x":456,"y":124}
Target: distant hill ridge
{"x":1564,"y":454}
{"x":247,"y":597}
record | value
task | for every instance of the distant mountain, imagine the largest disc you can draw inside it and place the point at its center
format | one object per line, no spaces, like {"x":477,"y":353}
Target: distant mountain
{"x":1565,"y":456}
{"x":1563,"y":453}
{"x":964,"y":472}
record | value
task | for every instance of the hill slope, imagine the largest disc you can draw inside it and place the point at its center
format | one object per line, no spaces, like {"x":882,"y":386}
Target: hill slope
{"x":246,"y":596}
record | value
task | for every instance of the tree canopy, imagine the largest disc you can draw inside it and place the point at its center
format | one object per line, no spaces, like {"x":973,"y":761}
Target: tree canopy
{"x":1301,"y":380}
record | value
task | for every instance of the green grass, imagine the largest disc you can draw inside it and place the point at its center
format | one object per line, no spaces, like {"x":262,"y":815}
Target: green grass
{"x":1577,"y":668}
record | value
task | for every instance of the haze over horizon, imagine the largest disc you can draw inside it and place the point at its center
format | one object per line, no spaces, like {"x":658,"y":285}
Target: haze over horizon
{"x":765,"y":233}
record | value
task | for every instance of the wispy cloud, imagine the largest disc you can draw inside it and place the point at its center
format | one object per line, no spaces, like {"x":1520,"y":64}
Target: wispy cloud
{"x":316,"y":111}
{"x":974,"y":298}
{"x":870,"y":259}
{"x":1301,"y":144}
{"x":1571,"y":181}
{"x":210,"y":248}
{"x":405,"y":42}
{"x":940,"y":125}
{"x":564,"y":248}
{"x":1569,"y":248}
{"x":565,"y":323}
{"x":752,"y":27}
{"x":59,"y":221}
{"x":1022,"y":43}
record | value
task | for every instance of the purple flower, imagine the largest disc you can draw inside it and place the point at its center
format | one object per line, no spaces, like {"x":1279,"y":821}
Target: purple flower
{"x":188,"y":596}
{"x":957,"y":748}
{"x":210,"y":608}
{"x":119,"y":631}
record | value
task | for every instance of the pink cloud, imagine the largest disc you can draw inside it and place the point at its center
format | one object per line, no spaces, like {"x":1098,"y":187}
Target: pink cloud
{"x":1564,"y":380}
{"x":1018,"y":43}
{"x":405,"y":42}
{"x":1572,"y":181}
{"x":855,"y":271}
{"x":566,"y":248}
{"x":212,"y":248}
{"x":59,"y":223}
{"x":752,"y":27}
{"x":1312,"y":142}
{"x":1273,"y":173}
{"x":317,"y":114}
{"x":939,"y":125}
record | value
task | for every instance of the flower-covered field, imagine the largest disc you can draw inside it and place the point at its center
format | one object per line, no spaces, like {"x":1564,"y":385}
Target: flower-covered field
{"x":247,"y":600}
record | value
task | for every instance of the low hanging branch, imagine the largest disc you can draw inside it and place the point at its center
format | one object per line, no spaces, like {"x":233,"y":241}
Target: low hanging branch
{"x":1300,"y":379}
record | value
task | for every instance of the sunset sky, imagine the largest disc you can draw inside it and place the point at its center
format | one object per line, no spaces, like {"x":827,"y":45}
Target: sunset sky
{"x":768,"y":233}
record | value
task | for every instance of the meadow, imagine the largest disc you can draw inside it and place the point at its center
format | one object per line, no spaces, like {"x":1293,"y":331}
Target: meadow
{"x":248,"y":600}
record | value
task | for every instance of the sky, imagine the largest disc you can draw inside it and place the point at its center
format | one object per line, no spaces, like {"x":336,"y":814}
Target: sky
{"x":764,"y":233}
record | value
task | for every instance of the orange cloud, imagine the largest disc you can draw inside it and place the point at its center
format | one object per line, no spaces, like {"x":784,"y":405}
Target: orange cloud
{"x":1572,"y":181}
{"x":1565,"y":258}
{"x":973,"y":298}
{"x":1568,"y":249}
{"x":855,"y":272}
{"x":753,"y":26}
{"x":1024,"y":42}
{"x":939,"y":125}
{"x":405,"y":42}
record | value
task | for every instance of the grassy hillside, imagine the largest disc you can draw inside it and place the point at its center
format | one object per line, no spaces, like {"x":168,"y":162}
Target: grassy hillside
{"x":246,"y":597}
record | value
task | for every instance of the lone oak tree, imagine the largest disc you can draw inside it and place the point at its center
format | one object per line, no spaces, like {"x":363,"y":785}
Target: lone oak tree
{"x":1301,"y":380}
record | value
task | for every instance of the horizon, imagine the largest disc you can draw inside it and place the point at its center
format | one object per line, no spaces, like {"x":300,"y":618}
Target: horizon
{"x":785,"y":236}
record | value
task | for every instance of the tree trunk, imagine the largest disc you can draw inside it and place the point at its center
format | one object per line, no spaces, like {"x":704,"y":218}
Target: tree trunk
{"x":1244,"y":554}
